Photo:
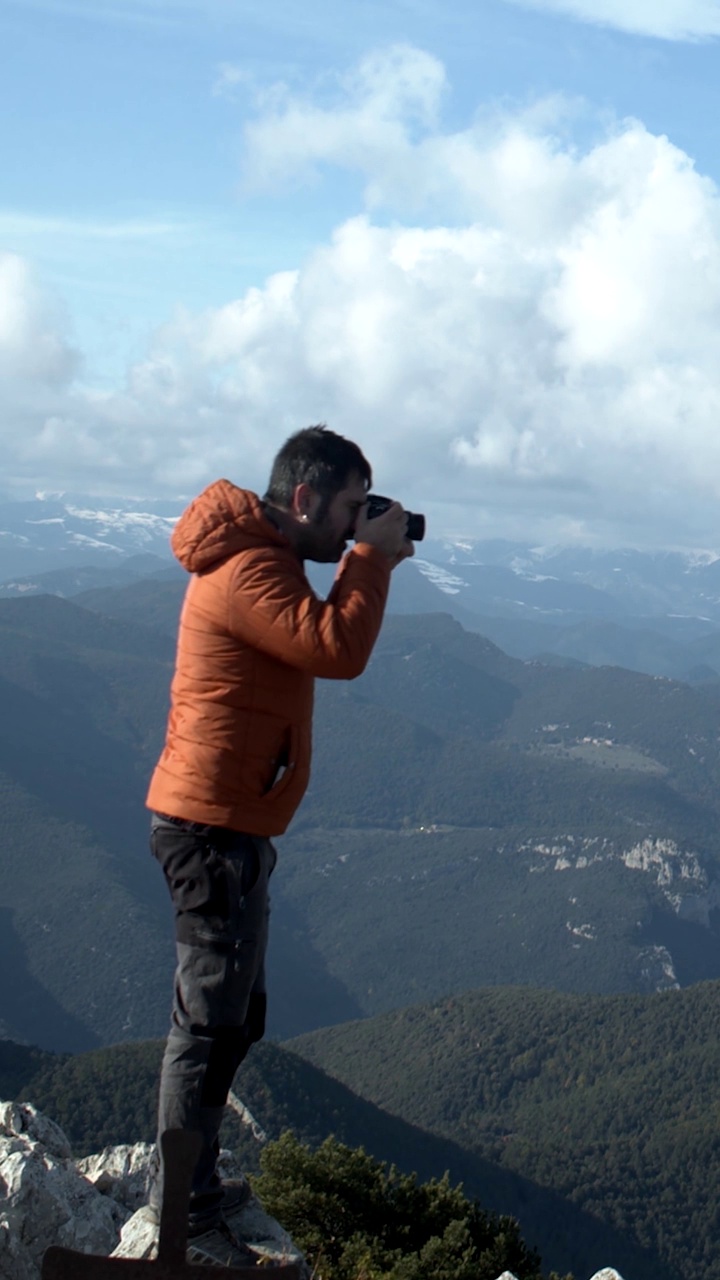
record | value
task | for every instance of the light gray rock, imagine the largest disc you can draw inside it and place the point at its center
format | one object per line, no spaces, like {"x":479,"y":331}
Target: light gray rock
{"x":94,"y":1205}
{"x":256,"y":1228}
{"x":120,"y":1173}
{"x":23,"y":1121}
{"x":264,"y":1235}
{"x":139,"y":1236}
{"x":43,"y":1198}
{"x":607,"y":1273}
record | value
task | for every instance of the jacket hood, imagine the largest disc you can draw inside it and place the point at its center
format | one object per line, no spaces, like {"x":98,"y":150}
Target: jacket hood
{"x":221,"y":521}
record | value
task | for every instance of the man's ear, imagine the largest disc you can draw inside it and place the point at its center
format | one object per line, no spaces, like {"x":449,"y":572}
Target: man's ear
{"x":304,"y":502}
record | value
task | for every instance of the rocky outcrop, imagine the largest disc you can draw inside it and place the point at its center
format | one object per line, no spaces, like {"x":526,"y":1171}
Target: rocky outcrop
{"x":120,"y":1173}
{"x":96,"y":1205}
{"x":45,"y":1200}
{"x":679,"y":874}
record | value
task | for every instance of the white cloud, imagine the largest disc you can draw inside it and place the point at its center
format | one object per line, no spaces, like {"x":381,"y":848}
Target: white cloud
{"x":667,"y":19}
{"x":17,"y":224}
{"x":32,"y":347}
{"x":363,"y":120}
{"x":536,"y":348}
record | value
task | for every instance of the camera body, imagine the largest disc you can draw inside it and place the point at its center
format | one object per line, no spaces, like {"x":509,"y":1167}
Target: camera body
{"x":376,"y":504}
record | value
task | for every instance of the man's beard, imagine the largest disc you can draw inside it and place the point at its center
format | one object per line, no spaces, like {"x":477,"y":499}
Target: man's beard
{"x":322,"y":550}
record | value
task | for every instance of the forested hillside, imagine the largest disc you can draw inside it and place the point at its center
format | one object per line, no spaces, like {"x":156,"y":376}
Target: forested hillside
{"x":83,"y":701}
{"x":519,"y":823}
{"x":109,"y":1096}
{"x":471,"y":819}
{"x":611,"y":1102}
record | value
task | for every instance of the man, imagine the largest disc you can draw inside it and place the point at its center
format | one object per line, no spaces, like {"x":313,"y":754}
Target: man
{"x":253,"y":636}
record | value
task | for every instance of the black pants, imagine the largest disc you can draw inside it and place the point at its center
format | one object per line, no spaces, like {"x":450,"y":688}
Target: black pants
{"x":218,"y":882}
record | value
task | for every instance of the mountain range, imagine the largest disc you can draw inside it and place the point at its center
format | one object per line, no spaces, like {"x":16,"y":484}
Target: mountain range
{"x":477,"y":818}
{"x":471,"y":819}
{"x":657,"y":612}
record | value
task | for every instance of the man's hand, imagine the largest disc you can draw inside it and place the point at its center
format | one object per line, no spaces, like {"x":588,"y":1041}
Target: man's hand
{"x":406,"y":551}
{"x":386,"y":532}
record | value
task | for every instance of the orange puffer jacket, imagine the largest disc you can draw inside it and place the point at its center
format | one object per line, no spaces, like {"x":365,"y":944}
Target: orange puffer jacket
{"x":253,"y":635}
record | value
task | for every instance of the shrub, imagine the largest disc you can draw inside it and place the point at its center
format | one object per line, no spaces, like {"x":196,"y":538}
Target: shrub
{"x":357,"y":1219}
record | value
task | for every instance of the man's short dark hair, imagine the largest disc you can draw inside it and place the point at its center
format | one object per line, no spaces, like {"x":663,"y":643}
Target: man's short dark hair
{"x":320,"y":458}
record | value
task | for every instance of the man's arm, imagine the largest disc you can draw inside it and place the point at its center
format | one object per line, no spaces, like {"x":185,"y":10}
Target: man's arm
{"x":273,"y":608}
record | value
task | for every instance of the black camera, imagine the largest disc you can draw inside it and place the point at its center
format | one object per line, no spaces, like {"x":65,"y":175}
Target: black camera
{"x":415,"y":524}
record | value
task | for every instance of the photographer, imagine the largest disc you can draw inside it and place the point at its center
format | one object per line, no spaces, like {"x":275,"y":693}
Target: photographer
{"x":253,"y":636}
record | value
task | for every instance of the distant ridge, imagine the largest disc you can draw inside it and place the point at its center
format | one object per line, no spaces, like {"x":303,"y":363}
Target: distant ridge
{"x":654,"y":611}
{"x":59,"y":531}
{"x":71,"y":581}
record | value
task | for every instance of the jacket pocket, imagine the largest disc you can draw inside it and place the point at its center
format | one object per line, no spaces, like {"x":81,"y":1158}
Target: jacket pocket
{"x":286,"y":776}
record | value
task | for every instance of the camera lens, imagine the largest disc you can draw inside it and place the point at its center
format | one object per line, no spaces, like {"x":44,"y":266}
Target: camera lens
{"x":376,"y":504}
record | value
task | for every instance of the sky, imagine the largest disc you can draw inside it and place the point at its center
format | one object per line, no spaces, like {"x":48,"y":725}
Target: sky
{"x":479,"y":237}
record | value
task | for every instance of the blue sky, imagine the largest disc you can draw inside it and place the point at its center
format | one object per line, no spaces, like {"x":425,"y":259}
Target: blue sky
{"x":483,"y":239}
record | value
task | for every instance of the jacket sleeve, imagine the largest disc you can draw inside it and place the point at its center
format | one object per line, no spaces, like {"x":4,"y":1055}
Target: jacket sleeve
{"x":272,"y":607}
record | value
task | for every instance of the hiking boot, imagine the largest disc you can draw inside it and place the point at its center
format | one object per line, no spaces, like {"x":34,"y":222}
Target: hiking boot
{"x":228,"y":1199}
{"x":236,"y":1193}
{"x":220,"y":1245}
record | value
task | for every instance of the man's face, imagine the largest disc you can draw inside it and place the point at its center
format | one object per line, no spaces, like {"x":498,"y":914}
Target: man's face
{"x":330,"y":527}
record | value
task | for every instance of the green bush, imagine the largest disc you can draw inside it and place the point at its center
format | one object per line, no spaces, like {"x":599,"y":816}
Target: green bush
{"x":357,"y":1219}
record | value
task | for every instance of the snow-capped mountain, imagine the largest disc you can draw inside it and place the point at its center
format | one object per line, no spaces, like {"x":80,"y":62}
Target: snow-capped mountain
{"x":563,"y":584}
{"x":493,"y":579}
{"x":59,"y":531}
